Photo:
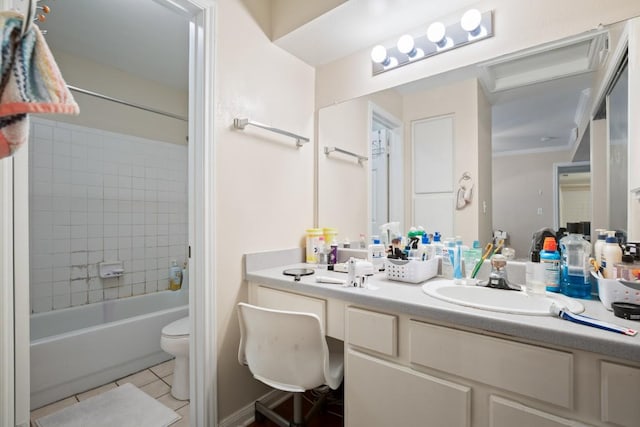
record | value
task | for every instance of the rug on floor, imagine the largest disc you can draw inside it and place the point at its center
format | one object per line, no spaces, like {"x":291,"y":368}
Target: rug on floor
{"x":124,"y":406}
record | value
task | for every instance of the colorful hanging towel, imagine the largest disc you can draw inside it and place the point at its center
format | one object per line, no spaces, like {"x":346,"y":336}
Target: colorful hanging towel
{"x":30,"y":82}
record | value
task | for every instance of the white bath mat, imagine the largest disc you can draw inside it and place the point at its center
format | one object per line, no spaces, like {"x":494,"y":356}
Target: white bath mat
{"x":124,"y":406}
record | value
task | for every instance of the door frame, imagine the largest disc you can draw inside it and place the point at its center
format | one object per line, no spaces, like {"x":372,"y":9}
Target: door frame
{"x":14,"y":347}
{"x":396,"y":189}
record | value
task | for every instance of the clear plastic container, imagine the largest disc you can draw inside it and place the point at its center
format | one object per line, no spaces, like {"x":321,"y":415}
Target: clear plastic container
{"x":574,"y":264}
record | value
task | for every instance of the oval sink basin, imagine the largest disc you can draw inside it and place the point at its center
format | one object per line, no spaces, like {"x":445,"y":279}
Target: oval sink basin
{"x":515,"y":302}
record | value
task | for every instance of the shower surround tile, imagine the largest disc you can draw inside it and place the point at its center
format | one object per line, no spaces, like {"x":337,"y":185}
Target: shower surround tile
{"x":100,"y":196}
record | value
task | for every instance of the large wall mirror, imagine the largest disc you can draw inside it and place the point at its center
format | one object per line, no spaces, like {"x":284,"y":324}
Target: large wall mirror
{"x":479,"y":145}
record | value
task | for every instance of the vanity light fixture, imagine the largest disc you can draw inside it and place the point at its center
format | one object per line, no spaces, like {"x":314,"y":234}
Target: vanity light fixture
{"x":439,"y":38}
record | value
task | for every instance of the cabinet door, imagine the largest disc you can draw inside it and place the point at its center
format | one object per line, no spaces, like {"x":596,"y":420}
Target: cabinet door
{"x":620,"y":394}
{"x":505,"y":413}
{"x":380,"y":393}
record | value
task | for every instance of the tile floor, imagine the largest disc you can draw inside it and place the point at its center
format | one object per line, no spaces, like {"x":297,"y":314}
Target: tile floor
{"x":155,"y":381}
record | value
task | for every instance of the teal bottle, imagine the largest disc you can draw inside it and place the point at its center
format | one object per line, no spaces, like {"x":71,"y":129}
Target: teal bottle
{"x":550,"y":259}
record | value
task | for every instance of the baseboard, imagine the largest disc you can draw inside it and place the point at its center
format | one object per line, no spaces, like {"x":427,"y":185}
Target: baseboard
{"x":244,"y":416}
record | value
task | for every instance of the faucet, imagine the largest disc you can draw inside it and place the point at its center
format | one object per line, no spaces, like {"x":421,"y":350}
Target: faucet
{"x":498,"y":276}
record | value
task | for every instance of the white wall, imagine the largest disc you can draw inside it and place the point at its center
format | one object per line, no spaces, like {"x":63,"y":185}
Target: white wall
{"x":529,"y":179}
{"x":101,"y":114}
{"x":102,"y":196}
{"x":264,"y":184}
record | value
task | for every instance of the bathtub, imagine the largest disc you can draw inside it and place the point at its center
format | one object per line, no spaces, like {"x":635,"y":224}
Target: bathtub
{"x":79,"y":348}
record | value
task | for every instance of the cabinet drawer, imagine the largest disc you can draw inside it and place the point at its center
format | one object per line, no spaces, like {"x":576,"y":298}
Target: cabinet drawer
{"x":280,"y":300}
{"x":537,"y":372}
{"x":372,"y":331}
{"x":620,"y":394}
{"x":380,"y":393}
{"x":505,"y":413}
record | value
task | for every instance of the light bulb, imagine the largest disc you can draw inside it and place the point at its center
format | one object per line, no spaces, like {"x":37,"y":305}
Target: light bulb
{"x":437,"y":33}
{"x":379,"y":54}
{"x":406,"y":44}
{"x":471,"y":22}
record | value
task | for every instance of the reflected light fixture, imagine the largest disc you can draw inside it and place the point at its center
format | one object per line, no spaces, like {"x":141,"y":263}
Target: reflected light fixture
{"x":407,"y":45}
{"x":437,"y":34}
{"x":439,"y":37}
{"x":471,"y":22}
{"x":379,"y":56}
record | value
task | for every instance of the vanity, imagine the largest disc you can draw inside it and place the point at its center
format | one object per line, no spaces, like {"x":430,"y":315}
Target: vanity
{"x":414,"y":360}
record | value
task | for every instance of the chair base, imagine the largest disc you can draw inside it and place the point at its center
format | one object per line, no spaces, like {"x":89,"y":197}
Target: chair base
{"x":262,"y":411}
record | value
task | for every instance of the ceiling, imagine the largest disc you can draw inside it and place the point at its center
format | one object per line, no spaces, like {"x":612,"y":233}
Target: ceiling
{"x":141,"y":37}
{"x":146,"y":39}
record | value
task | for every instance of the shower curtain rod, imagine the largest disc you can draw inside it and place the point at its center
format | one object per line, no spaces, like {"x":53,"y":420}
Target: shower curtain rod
{"x":127,"y":103}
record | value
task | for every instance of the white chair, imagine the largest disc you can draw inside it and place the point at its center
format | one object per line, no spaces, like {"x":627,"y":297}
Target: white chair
{"x":287,"y":351}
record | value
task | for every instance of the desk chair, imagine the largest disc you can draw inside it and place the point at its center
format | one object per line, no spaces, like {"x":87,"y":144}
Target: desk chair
{"x":287,"y":351}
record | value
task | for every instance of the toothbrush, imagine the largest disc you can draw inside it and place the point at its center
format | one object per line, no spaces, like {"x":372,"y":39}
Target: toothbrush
{"x":565,"y":314}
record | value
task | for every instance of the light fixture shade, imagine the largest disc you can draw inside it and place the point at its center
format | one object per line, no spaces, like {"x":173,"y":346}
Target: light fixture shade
{"x":406,"y":44}
{"x":379,"y":54}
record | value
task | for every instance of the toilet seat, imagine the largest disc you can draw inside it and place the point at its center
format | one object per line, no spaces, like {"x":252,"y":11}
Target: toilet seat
{"x":177,"y":329}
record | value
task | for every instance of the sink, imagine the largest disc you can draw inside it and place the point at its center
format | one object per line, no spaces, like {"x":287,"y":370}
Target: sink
{"x":515,"y":302}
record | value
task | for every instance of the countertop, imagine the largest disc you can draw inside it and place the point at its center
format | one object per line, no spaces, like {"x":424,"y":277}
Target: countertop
{"x":405,"y":298}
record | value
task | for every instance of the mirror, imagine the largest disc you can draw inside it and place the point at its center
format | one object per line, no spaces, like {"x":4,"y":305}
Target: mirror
{"x":512,"y":119}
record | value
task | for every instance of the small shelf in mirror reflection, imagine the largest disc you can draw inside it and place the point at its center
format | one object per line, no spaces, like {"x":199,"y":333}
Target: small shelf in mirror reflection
{"x":360,"y":158}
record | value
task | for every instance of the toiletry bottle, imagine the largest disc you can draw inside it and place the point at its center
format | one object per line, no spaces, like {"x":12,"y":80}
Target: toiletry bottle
{"x":447,"y":258}
{"x":333,"y":252}
{"x":322,"y":254}
{"x":423,"y":247}
{"x":574,"y":263}
{"x":376,"y":255}
{"x":534,"y":280}
{"x":457,"y":260}
{"x":600,"y":242}
{"x":550,"y":259}
{"x":436,"y":245}
{"x":175,"y":276}
{"x":611,"y":255}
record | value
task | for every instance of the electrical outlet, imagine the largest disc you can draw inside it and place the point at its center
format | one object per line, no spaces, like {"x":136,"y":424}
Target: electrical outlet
{"x":539,"y":211}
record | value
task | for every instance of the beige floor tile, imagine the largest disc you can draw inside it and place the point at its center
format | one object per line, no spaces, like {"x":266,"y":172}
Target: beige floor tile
{"x":168,"y":379}
{"x":172,"y":402}
{"x":96,"y":391}
{"x":156,"y":389}
{"x":50,"y":409}
{"x":163,"y":369}
{"x":139,"y":379}
{"x":184,"y":421}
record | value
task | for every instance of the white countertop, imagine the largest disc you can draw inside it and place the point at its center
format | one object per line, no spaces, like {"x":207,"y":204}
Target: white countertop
{"x":409,"y":299}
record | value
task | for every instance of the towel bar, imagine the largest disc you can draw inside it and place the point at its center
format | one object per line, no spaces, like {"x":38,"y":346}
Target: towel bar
{"x":360,"y":158}
{"x":242,"y":123}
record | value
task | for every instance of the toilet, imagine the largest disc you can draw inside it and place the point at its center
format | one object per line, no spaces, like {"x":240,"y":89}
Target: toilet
{"x":175,"y":341}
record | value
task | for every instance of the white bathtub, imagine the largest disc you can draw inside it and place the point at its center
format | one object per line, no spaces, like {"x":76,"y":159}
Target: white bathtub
{"x":79,"y":348}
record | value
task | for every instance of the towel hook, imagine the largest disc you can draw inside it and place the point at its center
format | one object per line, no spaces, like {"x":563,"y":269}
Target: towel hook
{"x":28,"y":18}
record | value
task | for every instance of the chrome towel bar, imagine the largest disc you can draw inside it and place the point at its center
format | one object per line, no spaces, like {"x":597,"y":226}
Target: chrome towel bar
{"x":242,"y":123}
{"x":360,"y":158}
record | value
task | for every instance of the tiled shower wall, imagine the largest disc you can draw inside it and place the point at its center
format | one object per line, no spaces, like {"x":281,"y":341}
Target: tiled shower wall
{"x":100,"y":196}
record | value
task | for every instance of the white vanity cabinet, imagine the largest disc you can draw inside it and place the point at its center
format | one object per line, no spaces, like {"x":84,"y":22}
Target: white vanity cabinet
{"x":409,"y":371}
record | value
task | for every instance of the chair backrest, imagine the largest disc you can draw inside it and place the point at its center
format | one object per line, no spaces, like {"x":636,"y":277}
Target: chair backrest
{"x":284,"y":349}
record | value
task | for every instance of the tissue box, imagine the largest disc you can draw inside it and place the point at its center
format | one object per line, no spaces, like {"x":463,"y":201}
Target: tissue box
{"x":411,"y":271}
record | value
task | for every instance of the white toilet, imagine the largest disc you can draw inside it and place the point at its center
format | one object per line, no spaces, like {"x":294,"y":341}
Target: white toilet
{"x":175,"y":341}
